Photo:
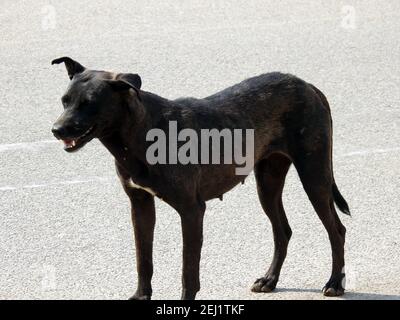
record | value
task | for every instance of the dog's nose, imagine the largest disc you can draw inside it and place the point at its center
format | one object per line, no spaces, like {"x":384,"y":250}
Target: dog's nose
{"x":58,"y":130}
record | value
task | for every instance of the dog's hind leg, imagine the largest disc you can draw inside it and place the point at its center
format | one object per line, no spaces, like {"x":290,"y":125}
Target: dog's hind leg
{"x":316,"y":176}
{"x":270,"y":176}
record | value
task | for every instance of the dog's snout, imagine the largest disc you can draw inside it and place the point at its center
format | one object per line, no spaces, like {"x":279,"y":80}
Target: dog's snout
{"x":58,"y":130}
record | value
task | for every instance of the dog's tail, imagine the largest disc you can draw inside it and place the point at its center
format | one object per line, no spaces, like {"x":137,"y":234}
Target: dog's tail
{"x":340,"y":202}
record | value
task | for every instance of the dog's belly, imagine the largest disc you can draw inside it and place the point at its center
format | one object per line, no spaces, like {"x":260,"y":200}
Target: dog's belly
{"x":217,"y":180}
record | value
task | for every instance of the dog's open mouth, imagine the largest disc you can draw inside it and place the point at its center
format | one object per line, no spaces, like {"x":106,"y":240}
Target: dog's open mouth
{"x":73,"y":144}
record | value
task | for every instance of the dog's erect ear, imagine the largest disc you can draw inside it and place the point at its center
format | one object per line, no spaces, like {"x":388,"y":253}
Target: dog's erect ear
{"x":122,"y":85}
{"x":131,"y":78}
{"x":72,"y":66}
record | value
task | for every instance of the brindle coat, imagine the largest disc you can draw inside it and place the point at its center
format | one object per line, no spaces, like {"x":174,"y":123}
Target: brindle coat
{"x":292,"y":124}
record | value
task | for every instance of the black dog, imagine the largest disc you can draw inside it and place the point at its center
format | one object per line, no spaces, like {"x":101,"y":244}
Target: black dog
{"x":292,"y":124}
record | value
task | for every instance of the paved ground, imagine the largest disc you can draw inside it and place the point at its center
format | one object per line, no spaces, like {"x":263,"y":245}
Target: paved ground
{"x":65,"y":229}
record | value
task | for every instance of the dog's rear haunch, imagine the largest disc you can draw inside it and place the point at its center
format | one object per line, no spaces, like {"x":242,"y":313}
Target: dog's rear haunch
{"x":292,"y":125}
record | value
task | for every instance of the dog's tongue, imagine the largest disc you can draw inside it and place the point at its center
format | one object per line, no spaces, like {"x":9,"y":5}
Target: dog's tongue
{"x":69,"y":143}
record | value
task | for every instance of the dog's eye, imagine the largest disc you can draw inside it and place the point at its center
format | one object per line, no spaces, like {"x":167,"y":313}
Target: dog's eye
{"x":65,"y":100}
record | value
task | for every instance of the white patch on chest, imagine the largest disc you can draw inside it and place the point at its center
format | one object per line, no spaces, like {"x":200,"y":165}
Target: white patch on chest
{"x":136,"y":186}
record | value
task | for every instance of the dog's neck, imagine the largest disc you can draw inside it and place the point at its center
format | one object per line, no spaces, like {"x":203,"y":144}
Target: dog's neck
{"x":128,"y":142}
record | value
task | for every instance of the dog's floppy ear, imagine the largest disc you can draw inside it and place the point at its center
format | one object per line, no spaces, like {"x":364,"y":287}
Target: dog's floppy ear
{"x":131,"y":78}
{"x":72,"y":66}
{"x":122,"y":85}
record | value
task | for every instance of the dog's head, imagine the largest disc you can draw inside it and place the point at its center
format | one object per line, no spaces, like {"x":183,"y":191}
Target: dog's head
{"x":94,"y":104}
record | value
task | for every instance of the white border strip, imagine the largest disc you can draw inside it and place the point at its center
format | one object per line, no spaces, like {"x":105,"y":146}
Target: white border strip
{"x":367,"y":152}
{"x":26,"y":145}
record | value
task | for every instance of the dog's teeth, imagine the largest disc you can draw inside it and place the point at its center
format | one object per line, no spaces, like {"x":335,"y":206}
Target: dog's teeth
{"x":73,"y":143}
{"x":67,"y":143}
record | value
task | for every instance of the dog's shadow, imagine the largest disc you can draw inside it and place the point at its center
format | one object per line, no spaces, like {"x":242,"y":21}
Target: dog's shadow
{"x":349,"y":295}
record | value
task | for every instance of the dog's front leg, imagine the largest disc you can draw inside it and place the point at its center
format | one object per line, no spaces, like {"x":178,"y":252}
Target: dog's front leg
{"x":143,"y":218}
{"x":192,"y":233}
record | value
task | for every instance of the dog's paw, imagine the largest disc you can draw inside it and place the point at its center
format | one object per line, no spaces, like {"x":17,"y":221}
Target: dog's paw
{"x":140,"y":297}
{"x":335,"y":287}
{"x":265,"y":284}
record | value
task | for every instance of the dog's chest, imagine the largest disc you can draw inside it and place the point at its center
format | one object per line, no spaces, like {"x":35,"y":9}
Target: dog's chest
{"x":132,"y":184}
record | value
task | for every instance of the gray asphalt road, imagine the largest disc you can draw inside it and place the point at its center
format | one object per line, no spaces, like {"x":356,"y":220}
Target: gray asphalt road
{"x":65,"y":229}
